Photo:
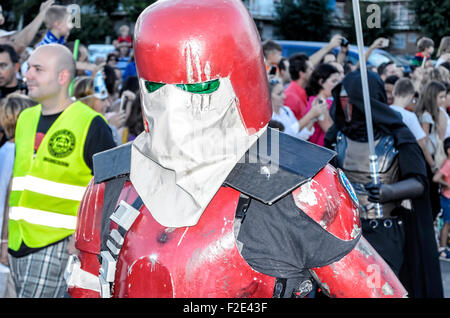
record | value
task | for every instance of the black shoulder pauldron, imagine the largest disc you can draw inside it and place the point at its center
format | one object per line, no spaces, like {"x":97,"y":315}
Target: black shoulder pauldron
{"x":274,"y":166}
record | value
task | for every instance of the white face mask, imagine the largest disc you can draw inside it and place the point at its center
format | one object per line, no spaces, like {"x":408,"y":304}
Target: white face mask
{"x":194,"y":141}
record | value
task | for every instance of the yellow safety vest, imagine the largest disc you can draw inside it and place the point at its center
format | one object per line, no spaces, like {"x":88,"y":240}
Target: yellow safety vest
{"x":47,"y":187}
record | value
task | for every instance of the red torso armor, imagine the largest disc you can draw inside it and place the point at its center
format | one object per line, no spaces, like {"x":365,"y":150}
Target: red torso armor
{"x":204,"y":261}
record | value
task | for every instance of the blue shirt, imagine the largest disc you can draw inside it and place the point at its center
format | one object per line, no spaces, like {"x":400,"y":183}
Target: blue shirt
{"x":51,"y":38}
{"x":6,"y":169}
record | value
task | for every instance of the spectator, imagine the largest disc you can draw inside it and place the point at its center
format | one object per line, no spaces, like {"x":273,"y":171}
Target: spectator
{"x":389,"y":87}
{"x":123,"y":58}
{"x":336,"y":41}
{"x":404,"y":95}
{"x":321,"y":82}
{"x":94,"y":97}
{"x":434,"y":124}
{"x":418,"y":76}
{"x":388,"y":69}
{"x":444,"y":51}
{"x":425,"y":47}
{"x":340,"y":70}
{"x":442,"y":177}
{"x":302,"y":128}
{"x":349,"y":67}
{"x":130,"y":70}
{"x":111,"y":62}
{"x":57,"y":23}
{"x":134,"y":122}
{"x":9,"y":66}
{"x":21,"y":40}
{"x":93,"y":93}
{"x":329,"y":58}
{"x":112,"y":58}
{"x":447,"y":104}
{"x":129,"y":92}
{"x":84,"y":67}
{"x":378,"y":44}
{"x":272,"y":56}
{"x":283,"y":67}
{"x":10,"y":108}
{"x":97,"y":99}
{"x":446,"y":65}
{"x":124,"y":37}
{"x":439,"y":73}
{"x":432,"y":117}
{"x":300,"y":69}
{"x":50,"y":174}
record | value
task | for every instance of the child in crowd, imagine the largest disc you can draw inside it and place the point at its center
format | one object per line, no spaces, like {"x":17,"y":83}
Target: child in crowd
{"x":443,"y":178}
{"x":124,"y":36}
{"x":58,"y":25}
{"x":425,"y":48}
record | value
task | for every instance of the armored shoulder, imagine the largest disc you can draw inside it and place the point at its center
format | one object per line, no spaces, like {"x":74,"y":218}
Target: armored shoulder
{"x":276,"y":165}
{"x":112,"y":163}
{"x":330,"y":201}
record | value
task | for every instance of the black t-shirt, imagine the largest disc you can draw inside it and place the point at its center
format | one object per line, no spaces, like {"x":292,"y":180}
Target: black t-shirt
{"x":7,"y":90}
{"x":21,"y":87}
{"x":99,"y":138}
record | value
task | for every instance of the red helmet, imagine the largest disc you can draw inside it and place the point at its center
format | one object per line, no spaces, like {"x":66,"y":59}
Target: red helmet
{"x":198,"y":41}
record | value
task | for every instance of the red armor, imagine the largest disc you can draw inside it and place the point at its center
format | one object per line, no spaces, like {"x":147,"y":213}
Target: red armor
{"x":203,"y":260}
{"x":133,"y":255}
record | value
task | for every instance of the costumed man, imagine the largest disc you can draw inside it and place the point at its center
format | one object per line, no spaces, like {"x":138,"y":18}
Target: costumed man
{"x":403,"y":234}
{"x":196,"y":206}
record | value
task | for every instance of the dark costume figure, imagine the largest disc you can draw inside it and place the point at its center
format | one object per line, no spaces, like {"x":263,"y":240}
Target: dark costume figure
{"x":196,"y":206}
{"x":404,"y":235}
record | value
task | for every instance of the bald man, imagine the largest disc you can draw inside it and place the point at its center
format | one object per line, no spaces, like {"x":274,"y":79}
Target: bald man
{"x":55,"y":142}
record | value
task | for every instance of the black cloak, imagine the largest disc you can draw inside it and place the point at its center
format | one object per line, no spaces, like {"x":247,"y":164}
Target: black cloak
{"x":420,"y":273}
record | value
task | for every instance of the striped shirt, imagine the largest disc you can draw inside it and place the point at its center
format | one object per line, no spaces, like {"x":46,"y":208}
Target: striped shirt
{"x":51,"y":38}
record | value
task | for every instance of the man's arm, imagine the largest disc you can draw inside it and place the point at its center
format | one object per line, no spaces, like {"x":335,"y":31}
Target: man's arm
{"x":99,"y":138}
{"x":439,"y":178}
{"x":24,"y":37}
{"x":377,"y":44}
{"x":318,"y":56}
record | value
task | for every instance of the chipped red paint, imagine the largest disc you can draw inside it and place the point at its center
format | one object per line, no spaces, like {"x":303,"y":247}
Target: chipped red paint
{"x":87,"y":234}
{"x":360,"y":274}
{"x":203,"y":260}
{"x":325,"y":200}
{"x":198,"y":261}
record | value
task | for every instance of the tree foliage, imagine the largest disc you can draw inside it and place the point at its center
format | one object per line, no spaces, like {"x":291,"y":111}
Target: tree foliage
{"x":98,"y":17}
{"x":307,"y":20}
{"x":369,"y":34}
{"x":432,"y":18}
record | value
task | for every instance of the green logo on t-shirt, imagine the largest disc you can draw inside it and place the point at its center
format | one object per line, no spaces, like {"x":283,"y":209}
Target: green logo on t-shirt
{"x":62,"y":143}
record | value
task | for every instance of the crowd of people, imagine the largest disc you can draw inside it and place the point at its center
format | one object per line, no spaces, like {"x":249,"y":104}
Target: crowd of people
{"x":420,"y":99}
{"x":41,"y":75}
{"x":40,"y":79}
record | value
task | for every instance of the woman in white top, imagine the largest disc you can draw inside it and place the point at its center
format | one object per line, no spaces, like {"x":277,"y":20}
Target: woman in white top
{"x":302,"y":128}
{"x":432,"y":117}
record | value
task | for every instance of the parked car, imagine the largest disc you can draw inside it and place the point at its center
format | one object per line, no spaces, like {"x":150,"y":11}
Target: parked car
{"x":377,"y":57}
{"x":99,"y":50}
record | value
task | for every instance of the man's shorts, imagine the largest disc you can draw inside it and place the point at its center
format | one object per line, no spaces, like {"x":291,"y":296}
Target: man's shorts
{"x":445,"y":205}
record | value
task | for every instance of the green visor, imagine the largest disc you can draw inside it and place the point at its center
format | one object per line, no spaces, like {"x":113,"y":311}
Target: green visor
{"x":197,"y":88}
